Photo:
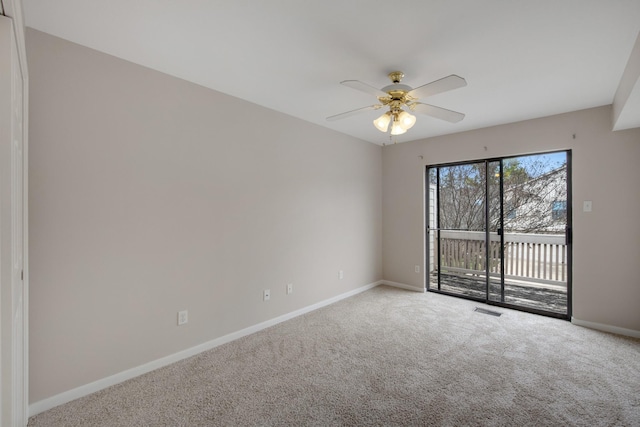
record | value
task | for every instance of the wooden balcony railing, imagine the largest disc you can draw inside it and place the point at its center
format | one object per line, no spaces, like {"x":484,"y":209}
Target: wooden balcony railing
{"x":540,"y":258}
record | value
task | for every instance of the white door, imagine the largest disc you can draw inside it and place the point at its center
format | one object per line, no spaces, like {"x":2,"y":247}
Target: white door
{"x":13,"y":293}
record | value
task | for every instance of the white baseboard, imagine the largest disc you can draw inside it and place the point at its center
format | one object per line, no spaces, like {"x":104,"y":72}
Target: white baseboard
{"x":403,"y":286}
{"x":606,"y":328}
{"x":87,"y":389}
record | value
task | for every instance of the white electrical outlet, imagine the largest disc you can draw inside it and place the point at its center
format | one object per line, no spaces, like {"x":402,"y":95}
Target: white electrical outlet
{"x":417,"y":269}
{"x":183,"y":317}
{"x":289,"y":288}
{"x":267,"y":295}
{"x":341,"y":275}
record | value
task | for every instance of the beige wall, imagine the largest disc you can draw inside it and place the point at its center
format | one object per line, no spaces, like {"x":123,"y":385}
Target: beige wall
{"x":606,"y":251}
{"x":151,"y":195}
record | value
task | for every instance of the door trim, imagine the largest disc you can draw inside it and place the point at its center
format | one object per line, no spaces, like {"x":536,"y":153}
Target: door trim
{"x":18,"y":405}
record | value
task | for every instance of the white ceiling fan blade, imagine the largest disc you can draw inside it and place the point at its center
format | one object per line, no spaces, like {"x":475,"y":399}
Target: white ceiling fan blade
{"x":363,"y":87}
{"x":353,"y":112}
{"x":437,"y":112}
{"x":444,"y":84}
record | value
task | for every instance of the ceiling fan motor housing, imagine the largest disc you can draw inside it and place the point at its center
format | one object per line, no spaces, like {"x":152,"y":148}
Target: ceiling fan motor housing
{"x":398,"y":95}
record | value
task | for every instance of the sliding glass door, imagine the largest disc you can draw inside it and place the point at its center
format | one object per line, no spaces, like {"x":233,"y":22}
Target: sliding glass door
{"x":498,"y":231}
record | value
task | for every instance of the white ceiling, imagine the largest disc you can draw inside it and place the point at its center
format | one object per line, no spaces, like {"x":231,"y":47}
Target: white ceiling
{"x":522,"y":59}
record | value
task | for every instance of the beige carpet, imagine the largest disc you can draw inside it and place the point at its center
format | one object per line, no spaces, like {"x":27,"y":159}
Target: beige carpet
{"x":386,"y":357}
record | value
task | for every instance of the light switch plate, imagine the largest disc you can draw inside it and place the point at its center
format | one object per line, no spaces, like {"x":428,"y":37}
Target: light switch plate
{"x":183,"y":317}
{"x":587,"y":206}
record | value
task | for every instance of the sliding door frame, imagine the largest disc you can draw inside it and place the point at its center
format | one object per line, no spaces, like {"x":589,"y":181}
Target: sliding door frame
{"x":568,"y":235}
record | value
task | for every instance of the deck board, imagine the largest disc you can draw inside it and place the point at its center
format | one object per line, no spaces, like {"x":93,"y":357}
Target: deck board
{"x":537,"y":296}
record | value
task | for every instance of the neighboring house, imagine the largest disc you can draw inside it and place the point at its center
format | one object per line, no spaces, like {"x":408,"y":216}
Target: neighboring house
{"x":538,"y":205}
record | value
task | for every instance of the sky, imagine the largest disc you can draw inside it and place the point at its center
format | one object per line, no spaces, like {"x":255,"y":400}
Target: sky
{"x":538,"y":164}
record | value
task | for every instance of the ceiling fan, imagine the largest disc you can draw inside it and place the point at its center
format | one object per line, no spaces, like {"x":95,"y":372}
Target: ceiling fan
{"x":398,"y":96}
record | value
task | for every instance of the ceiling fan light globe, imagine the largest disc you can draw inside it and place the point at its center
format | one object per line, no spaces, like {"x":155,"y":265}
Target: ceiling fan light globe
{"x":396,"y":129}
{"x":406,"y":120}
{"x":382,"y":122}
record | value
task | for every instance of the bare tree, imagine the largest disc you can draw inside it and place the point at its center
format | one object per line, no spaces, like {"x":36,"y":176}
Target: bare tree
{"x":534,"y":194}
